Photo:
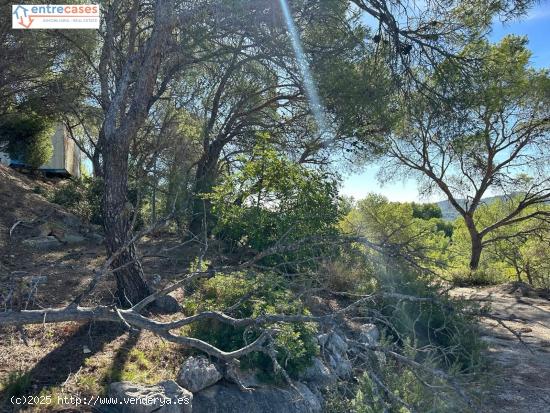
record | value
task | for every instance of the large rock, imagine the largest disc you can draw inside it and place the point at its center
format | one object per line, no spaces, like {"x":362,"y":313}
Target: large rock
{"x":197,"y":373}
{"x":335,"y":348}
{"x":243,"y":378}
{"x":369,"y":334}
{"x":165,"y":397}
{"x":336,"y":344}
{"x":228,"y":398}
{"x":42,"y":243}
{"x":339,"y":364}
{"x":166,"y":304}
{"x":72,"y":239}
{"x":318,"y":374}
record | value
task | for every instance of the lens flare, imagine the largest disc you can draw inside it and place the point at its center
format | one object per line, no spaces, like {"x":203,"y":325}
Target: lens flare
{"x":303,"y":65}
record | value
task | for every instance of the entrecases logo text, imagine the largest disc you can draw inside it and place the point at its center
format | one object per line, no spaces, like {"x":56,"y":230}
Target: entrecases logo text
{"x":55,"y":16}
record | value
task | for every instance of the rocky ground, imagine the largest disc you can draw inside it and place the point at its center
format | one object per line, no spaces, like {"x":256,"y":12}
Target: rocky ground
{"x":518,"y":347}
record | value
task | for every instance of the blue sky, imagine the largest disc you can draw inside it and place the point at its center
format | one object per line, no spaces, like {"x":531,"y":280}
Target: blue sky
{"x":536,"y":26}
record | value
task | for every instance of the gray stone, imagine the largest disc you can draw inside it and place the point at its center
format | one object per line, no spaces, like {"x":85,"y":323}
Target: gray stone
{"x":95,"y":238}
{"x":335,"y":349}
{"x":197,"y":373}
{"x":228,"y":398}
{"x":72,"y":239}
{"x":244,"y":378}
{"x":339,"y":364}
{"x":336,"y":344}
{"x":68,"y":219}
{"x":42,"y":243}
{"x":369,"y":334}
{"x":165,"y":397}
{"x":166,"y":304}
{"x":38,"y":280}
{"x":322,"y":339}
{"x":318,"y":374}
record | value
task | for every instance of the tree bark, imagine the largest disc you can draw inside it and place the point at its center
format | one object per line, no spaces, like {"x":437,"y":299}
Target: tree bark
{"x":131,"y":286}
{"x":476,"y":242}
{"x":205,"y":180}
{"x":126,"y":113}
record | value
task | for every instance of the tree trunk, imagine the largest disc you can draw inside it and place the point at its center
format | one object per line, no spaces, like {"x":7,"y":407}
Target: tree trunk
{"x":118,"y":212}
{"x":528,"y":273}
{"x":518,"y":274}
{"x":476,"y":243}
{"x":128,"y":110}
{"x":205,"y":179}
{"x":476,"y":253}
{"x":96,"y":165}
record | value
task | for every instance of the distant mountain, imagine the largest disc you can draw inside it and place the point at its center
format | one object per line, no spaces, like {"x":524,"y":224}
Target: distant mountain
{"x":449,"y":213}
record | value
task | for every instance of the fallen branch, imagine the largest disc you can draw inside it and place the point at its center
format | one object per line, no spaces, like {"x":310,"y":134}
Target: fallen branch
{"x":134,"y":320}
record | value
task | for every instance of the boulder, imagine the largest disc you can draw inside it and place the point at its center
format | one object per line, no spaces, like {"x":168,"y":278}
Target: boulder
{"x":335,"y":350}
{"x":318,"y":374}
{"x":95,"y":238}
{"x":197,"y":373}
{"x":336,"y":344}
{"x":228,"y":398}
{"x":166,"y":304}
{"x":339,"y":364}
{"x":36,"y":279}
{"x":42,"y":243}
{"x":243,"y":378}
{"x":72,"y":239}
{"x":165,"y":397}
{"x":67,"y":219}
{"x":369,"y":334}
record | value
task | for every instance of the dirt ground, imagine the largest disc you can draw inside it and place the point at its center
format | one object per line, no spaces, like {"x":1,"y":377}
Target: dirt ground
{"x":518,"y":349}
{"x":72,"y":358}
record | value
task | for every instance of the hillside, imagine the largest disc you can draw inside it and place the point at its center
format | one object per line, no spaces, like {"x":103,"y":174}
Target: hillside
{"x":449,"y":212}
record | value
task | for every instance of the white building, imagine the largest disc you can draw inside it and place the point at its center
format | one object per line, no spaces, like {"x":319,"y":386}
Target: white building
{"x":65,"y":159}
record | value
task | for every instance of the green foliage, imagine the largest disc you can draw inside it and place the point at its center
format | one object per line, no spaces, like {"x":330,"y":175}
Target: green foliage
{"x":435,"y":333}
{"x":271,"y":198}
{"x":404,"y":384}
{"x":82,"y":197}
{"x":266,"y":294}
{"x":28,"y":138}
{"x":519,"y":251}
{"x":465,"y":277}
{"x":450,"y":338}
{"x":393,"y":227}
{"x":426,"y":211}
{"x":16,"y":384}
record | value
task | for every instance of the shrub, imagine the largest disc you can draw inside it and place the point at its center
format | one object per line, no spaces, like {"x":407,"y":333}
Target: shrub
{"x":272,"y":198}
{"x":399,"y":234}
{"x":16,"y":384}
{"x":464,"y":277}
{"x":28,"y":138}
{"x":82,"y":197}
{"x":265,"y":294}
{"x":450,"y":337}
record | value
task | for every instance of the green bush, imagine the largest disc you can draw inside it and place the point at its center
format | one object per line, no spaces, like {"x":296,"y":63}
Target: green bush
{"x":450,"y":337}
{"x":265,"y":294}
{"x":464,"y":277}
{"x":272,"y":198}
{"x":82,"y":197}
{"x":28,"y":138}
{"x":399,"y":234}
{"x":16,"y":384}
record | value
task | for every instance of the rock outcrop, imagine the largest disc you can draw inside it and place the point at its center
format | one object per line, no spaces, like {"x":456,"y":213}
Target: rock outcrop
{"x":197,"y":373}
{"x":229,"y":398}
{"x":165,"y":397}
